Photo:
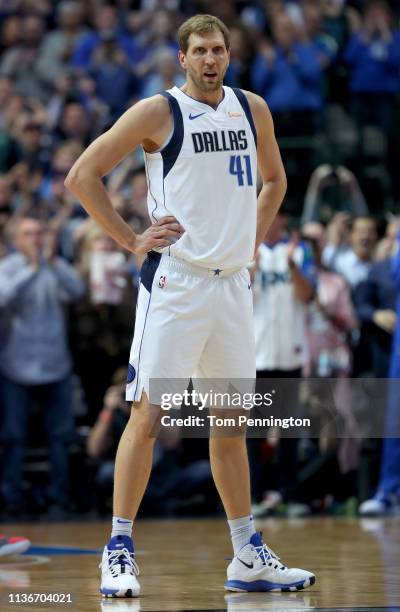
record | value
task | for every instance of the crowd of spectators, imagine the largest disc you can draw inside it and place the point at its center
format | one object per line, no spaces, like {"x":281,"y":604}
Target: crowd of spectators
{"x":330,"y":72}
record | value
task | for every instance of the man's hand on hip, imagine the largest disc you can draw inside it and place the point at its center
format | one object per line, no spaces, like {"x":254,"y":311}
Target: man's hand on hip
{"x":158,"y":235}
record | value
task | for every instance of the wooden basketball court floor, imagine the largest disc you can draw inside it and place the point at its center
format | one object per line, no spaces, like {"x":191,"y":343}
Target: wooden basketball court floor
{"x":182,"y":563}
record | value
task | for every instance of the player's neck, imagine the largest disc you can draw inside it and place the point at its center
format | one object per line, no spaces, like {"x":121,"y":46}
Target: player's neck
{"x":212,"y":98}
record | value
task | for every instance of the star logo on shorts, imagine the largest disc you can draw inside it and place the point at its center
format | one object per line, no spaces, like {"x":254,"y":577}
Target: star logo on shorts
{"x":217,"y":272}
{"x":161,"y":281}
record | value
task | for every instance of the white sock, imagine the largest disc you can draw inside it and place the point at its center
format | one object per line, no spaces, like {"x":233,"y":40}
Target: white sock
{"x":241,"y":531}
{"x":121,"y":526}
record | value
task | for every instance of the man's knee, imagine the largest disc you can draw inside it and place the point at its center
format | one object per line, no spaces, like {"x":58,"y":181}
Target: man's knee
{"x":144,"y":422}
{"x":226,"y":426}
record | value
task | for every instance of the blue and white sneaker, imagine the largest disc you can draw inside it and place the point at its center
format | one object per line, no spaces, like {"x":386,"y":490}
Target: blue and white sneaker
{"x":257,"y":568}
{"x":119,"y":569}
{"x":382,"y":504}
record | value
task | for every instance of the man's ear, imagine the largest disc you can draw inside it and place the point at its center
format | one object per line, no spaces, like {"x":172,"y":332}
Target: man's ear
{"x":182,"y":59}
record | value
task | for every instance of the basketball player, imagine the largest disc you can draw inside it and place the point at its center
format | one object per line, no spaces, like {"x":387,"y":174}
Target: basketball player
{"x":202,"y":144}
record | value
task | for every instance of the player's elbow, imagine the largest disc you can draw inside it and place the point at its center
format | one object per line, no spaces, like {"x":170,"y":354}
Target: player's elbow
{"x":282,"y":181}
{"x":73,"y":178}
{"x":77,"y":177}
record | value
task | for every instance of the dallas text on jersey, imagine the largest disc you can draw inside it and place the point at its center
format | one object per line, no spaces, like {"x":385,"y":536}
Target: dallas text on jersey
{"x":228,"y":140}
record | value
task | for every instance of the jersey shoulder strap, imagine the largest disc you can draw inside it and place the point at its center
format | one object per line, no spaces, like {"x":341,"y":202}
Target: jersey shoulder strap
{"x":171,"y":151}
{"x":246,"y":107}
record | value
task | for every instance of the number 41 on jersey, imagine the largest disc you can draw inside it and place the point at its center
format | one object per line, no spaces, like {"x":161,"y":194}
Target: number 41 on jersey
{"x":242,"y":171}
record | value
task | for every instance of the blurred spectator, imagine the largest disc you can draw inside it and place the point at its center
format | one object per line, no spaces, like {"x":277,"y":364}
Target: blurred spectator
{"x":10,"y":33}
{"x":177,"y":475}
{"x":105,"y":434}
{"x":58,"y":45}
{"x":137,"y":205}
{"x":114,"y":76}
{"x":41,"y":8}
{"x":64,"y":156}
{"x":6,"y":90}
{"x":35,"y":364}
{"x":6,"y":212}
{"x":71,"y":88}
{"x":387,"y":497}
{"x":32,"y":147}
{"x":167,"y":74}
{"x":330,"y":321}
{"x":350,"y":247}
{"x":330,"y":190}
{"x":350,"y":252}
{"x":242,"y":55}
{"x":101,"y":328}
{"x":75,"y":124}
{"x":105,"y":30}
{"x":159,"y":36}
{"x":330,"y":316}
{"x":129,"y":184}
{"x":21,"y":62}
{"x":283,"y":286}
{"x":325,"y":44}
{"x":287,"y":74}
{"x":375,"y":302}
{"x":53,"y":202}
{"x":339,"y":20}
{"x":373,"y":55}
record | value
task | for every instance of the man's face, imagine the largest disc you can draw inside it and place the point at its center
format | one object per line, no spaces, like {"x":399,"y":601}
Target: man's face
{"x":29,"y":235}
{"x":206,"y":60}
{"x":74,"y":120}
{"x":363,"y":237}
{"x":284,"y":31}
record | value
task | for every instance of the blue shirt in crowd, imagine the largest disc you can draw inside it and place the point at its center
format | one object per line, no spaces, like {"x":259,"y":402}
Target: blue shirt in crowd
{"x":33,"y":344}
{"x":374,"y":65}
{"x":290,"y":83}
{"x":395,"y":357}
{"x":86,"y":47}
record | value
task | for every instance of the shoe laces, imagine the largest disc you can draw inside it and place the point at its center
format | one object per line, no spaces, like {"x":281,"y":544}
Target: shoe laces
{"x":119,"y":559}
{"x":268,"y":557}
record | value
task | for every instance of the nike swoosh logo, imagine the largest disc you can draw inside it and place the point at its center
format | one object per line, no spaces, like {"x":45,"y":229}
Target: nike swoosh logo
{"x":195,"y":116}
{"x":249,"y":565}
{"x":123,"y":522}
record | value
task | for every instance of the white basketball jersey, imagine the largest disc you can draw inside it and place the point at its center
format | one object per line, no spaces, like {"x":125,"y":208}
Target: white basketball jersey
{"x":206,"y":176}
{"x":279,"y":317}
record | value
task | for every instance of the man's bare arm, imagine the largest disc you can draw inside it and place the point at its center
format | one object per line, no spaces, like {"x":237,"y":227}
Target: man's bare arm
{"x":270,"y":166}
{"x":147,"y":123}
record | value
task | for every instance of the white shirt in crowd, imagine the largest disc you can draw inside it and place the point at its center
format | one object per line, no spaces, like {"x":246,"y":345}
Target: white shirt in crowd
{"x":279,"y":316}
{"x":346,"y":263}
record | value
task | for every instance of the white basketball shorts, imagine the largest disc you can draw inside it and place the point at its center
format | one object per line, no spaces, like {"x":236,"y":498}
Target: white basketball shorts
{"x":191,"y":322}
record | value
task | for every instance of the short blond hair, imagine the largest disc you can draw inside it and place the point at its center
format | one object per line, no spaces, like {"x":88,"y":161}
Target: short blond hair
{"x":199,"y":24}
